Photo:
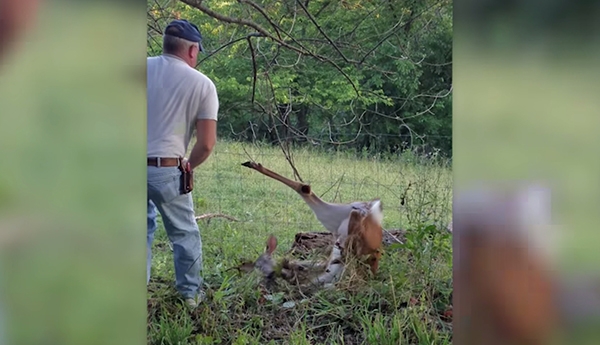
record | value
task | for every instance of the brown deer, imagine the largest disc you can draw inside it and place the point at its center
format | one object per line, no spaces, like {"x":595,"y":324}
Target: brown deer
{"x":357,"y":223}
{"x":364,"y":233}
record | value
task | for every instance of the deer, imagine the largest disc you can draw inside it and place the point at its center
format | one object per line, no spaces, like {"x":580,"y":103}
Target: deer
{"x":364,"y":234}
{"x":355,"y":224}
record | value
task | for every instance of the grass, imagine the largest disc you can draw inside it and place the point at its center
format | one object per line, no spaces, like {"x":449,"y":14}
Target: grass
{"x":403,"y":304}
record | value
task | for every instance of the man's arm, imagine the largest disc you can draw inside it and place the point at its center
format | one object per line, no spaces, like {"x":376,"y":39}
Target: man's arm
{"x":206,"y":137}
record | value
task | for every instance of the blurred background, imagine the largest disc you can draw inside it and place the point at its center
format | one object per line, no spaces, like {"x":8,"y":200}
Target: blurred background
{"x":527,"y":113}
{"x":72,"y":141}
{"x":529,"y":108}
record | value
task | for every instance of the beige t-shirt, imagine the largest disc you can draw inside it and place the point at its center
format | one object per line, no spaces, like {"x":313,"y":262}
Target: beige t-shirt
{"x":177,"y":96}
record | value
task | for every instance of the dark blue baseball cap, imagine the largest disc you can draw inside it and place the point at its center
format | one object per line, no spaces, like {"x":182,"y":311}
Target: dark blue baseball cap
{"x":183,"y":29}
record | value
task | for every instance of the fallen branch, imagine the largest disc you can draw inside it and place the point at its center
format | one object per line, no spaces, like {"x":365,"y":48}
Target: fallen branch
{"x":216,"y":215}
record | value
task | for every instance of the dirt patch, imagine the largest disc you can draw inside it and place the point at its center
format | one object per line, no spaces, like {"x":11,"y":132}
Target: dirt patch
{"x":311,"y":242}
{"x":320,"y":242}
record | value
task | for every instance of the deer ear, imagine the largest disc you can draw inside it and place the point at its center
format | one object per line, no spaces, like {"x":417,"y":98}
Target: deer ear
{"x":377,"y":211}
{"x":271,"y":244}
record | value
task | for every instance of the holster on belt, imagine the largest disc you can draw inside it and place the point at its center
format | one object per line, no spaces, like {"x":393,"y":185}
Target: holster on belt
{"x":187,"y":176}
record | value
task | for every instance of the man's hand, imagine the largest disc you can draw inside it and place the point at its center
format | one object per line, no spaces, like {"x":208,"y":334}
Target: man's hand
{"x":186,"y":164}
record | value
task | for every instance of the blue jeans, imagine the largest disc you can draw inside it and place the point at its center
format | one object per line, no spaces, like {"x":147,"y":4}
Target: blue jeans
{"x":177,"y":212}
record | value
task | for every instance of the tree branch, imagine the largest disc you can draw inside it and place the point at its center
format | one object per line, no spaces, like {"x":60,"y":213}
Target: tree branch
{"x":393,"y":31}
{"x":313,"y":20}
{"x":254,"y":72}
{"x":256,"y":34}
{"x":264,"y":14}
{"x":244,"y":22}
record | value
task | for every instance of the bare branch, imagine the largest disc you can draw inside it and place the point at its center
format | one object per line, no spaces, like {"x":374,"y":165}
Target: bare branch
{"x":216,"y":215}
{"x":198,"y":4}
{"x":255,"y":34}
{"x":285,"y":149}
{"x":396,"y":27}
{"x":264,"y":14}
{"x":313,"y":20}
{"x":325,"y":5}
{"x":253,"y":68}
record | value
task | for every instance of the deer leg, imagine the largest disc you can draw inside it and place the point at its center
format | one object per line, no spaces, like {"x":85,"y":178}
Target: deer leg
{"x":374,"y":261}
{"x":334,"y":268}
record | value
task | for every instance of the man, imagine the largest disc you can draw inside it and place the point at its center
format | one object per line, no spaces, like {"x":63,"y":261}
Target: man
{"x":181,"y":100}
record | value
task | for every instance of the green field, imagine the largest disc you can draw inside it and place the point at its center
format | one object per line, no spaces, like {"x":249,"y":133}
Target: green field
{"x":402,"y":304}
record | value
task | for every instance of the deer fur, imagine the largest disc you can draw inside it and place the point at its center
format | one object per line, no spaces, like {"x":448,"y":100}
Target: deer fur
{"x":364,"y":237}
{"x":365,"y":234}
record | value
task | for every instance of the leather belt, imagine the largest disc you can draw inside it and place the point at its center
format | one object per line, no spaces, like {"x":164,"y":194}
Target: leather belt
{"x":163,"y":162}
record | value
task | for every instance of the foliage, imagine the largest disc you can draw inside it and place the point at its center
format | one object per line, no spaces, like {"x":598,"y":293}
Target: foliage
{"x":374,"y":73}
{"x":404,"y":303}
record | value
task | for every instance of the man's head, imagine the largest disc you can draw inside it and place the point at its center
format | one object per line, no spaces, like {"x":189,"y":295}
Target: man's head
{"x":183,"y":39}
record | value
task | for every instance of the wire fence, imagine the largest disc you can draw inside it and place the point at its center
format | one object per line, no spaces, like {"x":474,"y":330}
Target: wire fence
{"x":414,"y":189}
